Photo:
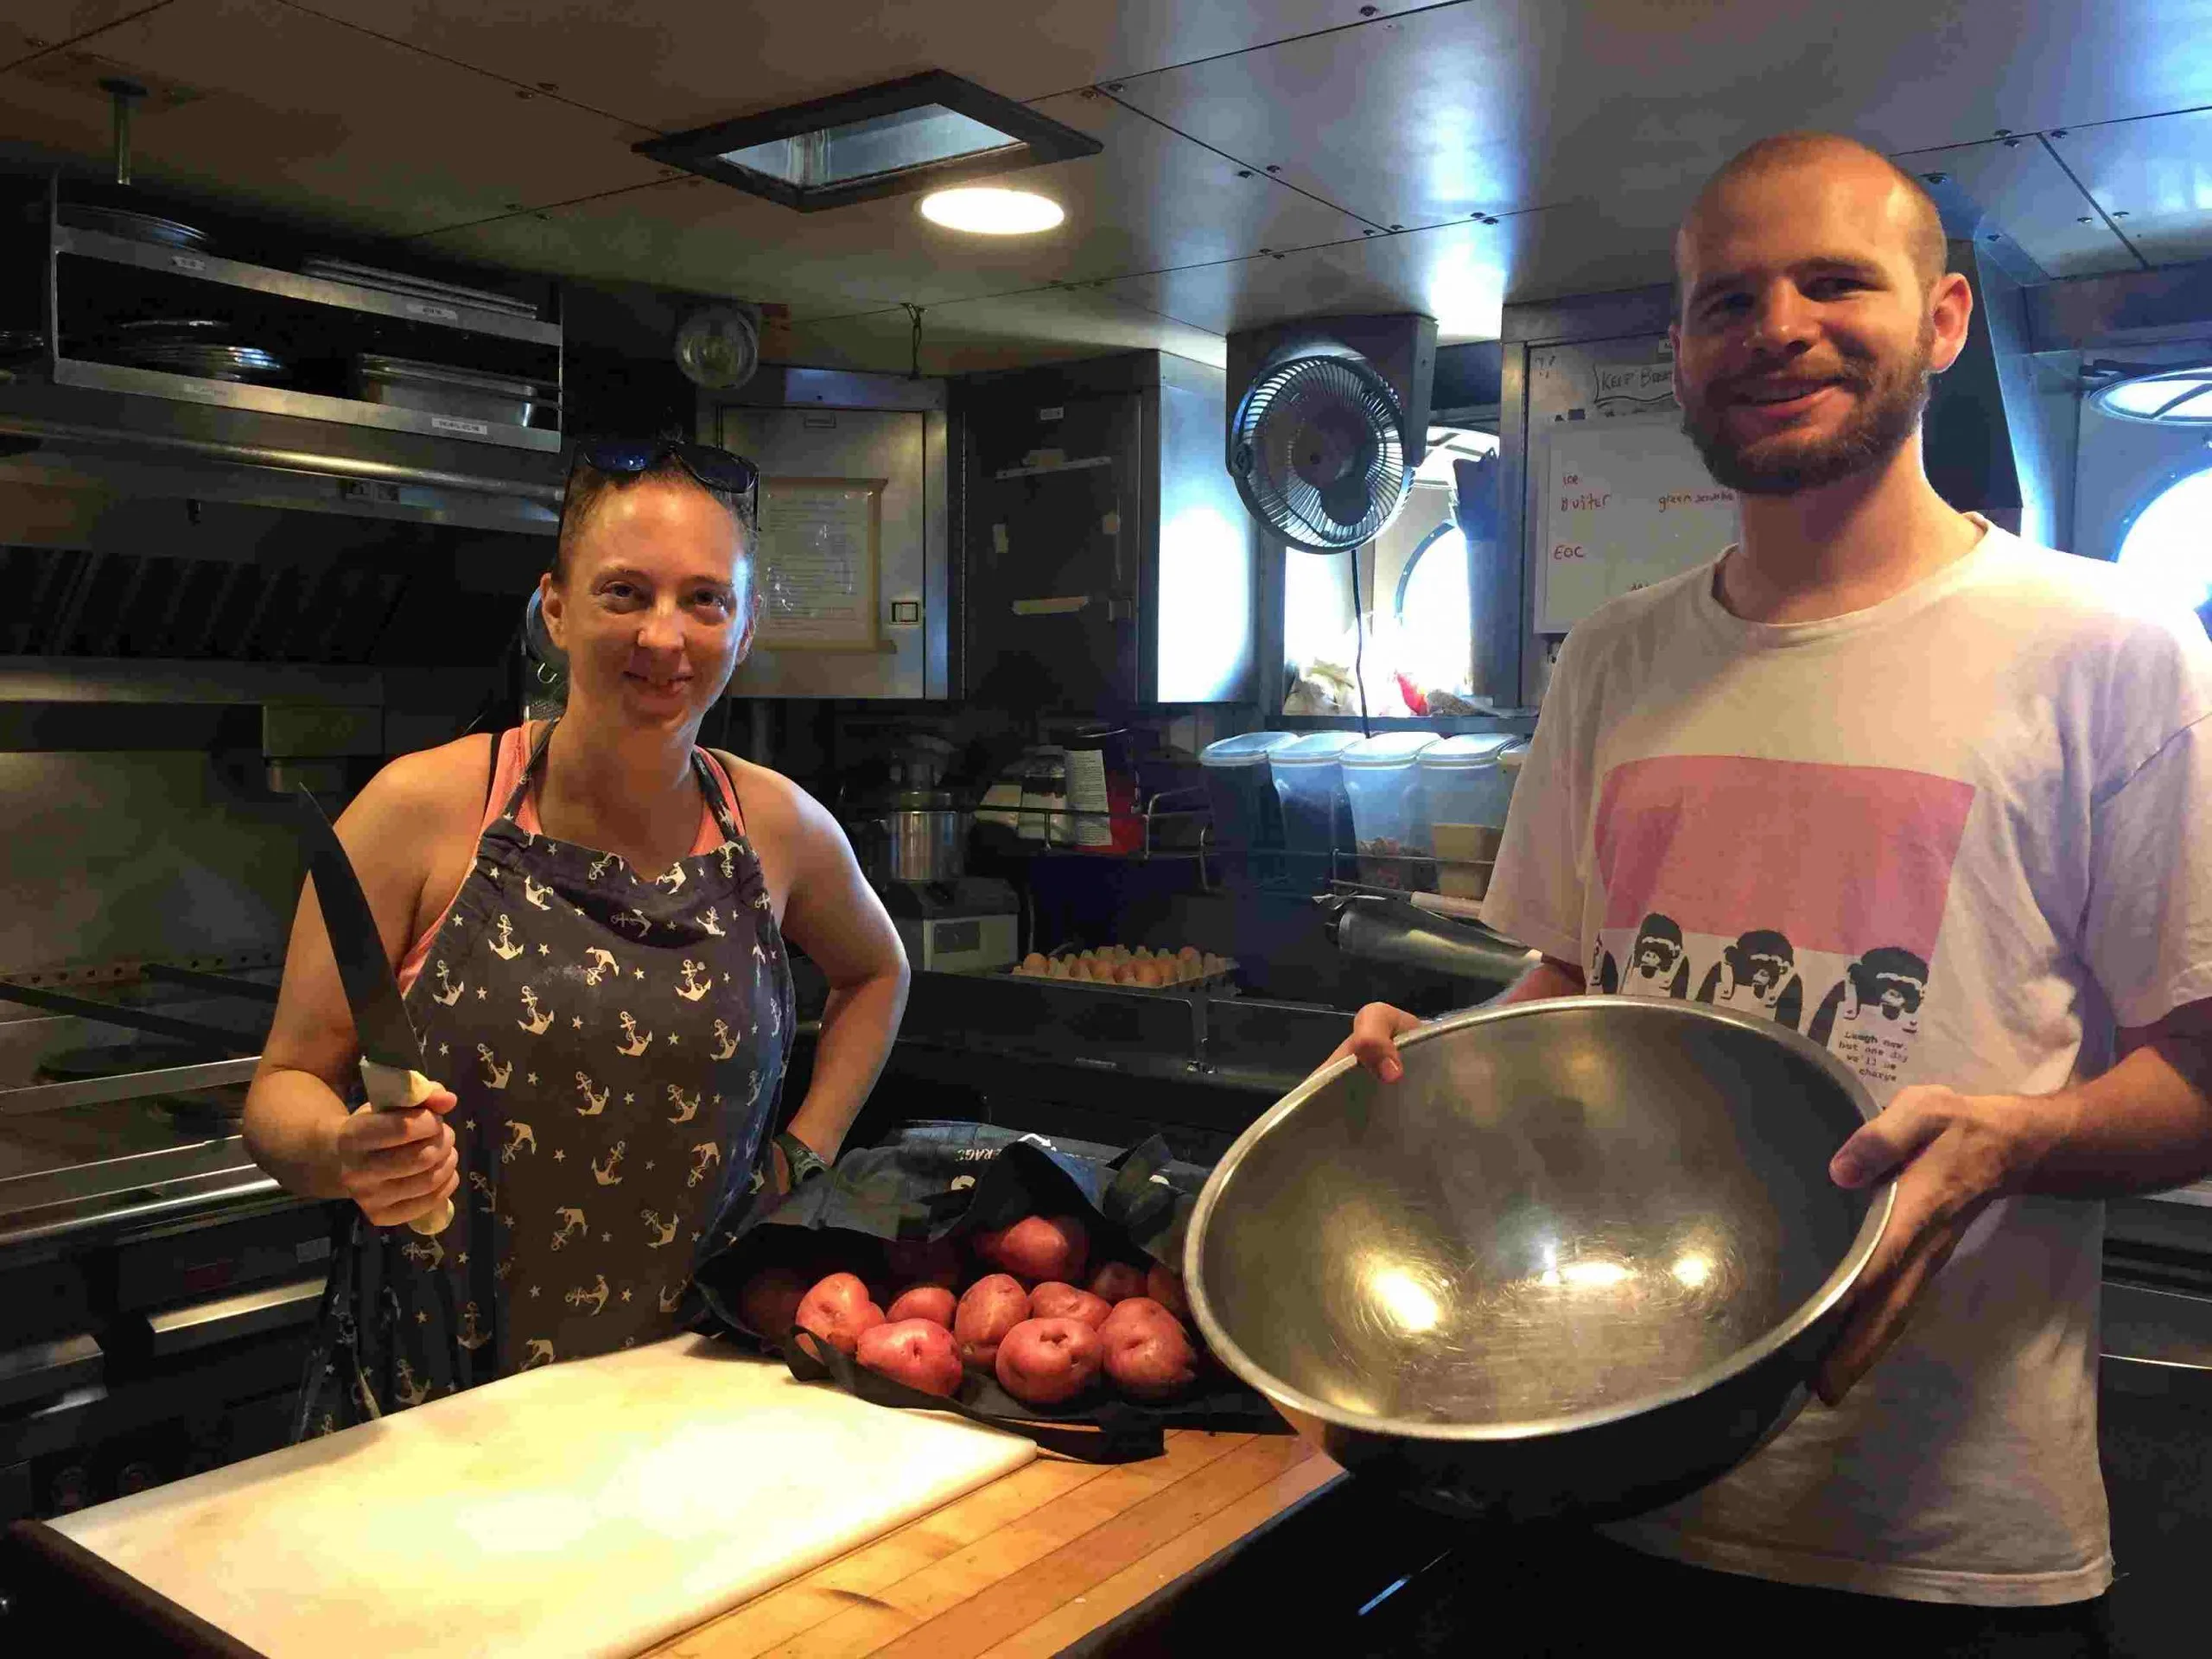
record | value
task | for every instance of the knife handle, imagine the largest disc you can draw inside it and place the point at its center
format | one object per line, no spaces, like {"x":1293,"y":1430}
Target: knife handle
{"x":392,"y":1089}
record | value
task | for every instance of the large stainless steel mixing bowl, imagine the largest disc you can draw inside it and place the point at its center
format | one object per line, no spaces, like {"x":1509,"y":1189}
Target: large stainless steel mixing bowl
{"x":1578,"y":1261}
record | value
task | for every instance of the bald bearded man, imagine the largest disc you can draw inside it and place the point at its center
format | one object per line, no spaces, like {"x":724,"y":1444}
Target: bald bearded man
{"x":1958,"y":785}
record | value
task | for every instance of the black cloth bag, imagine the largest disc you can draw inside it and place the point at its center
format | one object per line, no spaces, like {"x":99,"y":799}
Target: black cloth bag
{"x":943,"y":1181}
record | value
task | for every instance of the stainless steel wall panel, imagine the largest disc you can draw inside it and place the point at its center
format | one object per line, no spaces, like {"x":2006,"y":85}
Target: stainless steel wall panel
{"x":819,"y":442}
{"x":136,"y":855}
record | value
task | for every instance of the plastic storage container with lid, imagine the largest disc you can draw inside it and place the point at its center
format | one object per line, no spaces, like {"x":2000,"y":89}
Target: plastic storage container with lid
{"x":1241,"y":789}
{"x":1390,"y":820}
{"x":1316,"y":817}
{"x":1511,"y":760}
{"x":1465,"y":792}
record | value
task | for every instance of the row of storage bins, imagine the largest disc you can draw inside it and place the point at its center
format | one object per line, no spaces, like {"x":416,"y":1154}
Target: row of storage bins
{"x":1404,"y":810}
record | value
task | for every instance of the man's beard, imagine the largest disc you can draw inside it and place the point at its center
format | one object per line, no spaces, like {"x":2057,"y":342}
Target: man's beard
{"x":1890,"y":401}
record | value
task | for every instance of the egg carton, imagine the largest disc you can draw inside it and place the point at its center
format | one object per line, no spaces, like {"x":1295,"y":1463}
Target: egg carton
{"x":1218,"y":980}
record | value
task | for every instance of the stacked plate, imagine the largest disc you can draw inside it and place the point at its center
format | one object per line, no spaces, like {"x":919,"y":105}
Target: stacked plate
{"x":416,"y":288}
{"x":139,"y":227}
{"x":440,"y":388}
{"x":194,"y":346}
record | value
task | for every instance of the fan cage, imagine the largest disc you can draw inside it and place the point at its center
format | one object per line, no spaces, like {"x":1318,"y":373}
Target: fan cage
{"x":1277,"y":408}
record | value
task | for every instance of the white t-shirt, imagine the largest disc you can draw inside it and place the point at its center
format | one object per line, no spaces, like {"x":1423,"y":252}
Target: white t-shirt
{"x":1955,"y":838}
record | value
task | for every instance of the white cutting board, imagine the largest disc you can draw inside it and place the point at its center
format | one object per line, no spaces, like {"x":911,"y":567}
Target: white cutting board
{"x":594,"y":1508}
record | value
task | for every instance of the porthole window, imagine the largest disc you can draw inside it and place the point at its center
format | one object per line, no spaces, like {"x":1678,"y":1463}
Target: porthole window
{"x":2168,"y":545}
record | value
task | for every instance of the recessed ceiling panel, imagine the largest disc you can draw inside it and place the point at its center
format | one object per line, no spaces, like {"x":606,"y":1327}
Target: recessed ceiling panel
{"x":1151,"y":200}
{"x":2153,"y":177}
{"x":2024,"y":193}
{"x":321,"y":120}
{"x":673,"y":64}
{"x":1423,"y":118}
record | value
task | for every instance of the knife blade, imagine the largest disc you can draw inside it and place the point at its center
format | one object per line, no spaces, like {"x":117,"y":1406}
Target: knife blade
{"x":388,"y":1048}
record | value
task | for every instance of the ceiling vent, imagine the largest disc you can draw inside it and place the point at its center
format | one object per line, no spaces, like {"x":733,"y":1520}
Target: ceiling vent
{"x":894,"y":139}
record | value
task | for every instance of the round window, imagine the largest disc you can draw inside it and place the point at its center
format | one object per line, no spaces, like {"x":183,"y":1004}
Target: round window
{"x":2166,"y":545}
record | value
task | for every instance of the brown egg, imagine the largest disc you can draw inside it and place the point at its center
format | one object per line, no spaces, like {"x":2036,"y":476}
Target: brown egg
{"x":1189,"y":957}
{"x":1033,"y":962}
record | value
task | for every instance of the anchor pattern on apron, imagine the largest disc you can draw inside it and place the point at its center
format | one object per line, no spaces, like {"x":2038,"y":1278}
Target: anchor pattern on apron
{"x":617,"y":1043}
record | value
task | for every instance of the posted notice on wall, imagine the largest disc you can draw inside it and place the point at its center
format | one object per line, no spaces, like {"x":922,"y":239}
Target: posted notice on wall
{"x":820,"y":543}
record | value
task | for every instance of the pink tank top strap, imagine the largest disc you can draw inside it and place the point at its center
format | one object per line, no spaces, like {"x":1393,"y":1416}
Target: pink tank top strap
{"x":728,"y":786}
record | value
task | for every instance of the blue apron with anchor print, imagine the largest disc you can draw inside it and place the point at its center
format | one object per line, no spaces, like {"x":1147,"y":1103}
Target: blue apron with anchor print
{"x":617,"y":1043}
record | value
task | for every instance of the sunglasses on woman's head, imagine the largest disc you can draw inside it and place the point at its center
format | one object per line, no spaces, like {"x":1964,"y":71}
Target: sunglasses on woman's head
{"x":718,"y":469}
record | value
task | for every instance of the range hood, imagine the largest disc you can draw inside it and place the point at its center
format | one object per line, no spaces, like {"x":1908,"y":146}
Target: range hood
{"x":139,"y":528}
{"x":149,"y":447}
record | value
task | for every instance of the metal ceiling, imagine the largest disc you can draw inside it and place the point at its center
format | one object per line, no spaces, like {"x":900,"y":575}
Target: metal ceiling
{"x":1263,"y":161}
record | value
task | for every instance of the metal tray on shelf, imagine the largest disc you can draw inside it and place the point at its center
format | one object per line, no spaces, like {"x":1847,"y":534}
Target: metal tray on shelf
{"x":203,"y":361}
{"x":421,"y":288}
{"x":138,"y":227}
{"x":438,"y":389}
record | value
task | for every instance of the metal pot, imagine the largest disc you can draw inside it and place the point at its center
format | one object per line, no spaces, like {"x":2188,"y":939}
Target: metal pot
{"x":920,"y":836}
{"x":1578,"y":1263}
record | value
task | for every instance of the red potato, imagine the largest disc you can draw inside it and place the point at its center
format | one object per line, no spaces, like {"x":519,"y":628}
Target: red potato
{"x":1149,"y":1358}
{"x":1138,"y":1313}
{"x":1053,"y":1301}
{"x":838,"y":1310}
{"x":916,"y":1352}
{"x":1164,"y":1285}
{"x":769,"y":1302}
{"x":1045,"y":1361}
{"x":1037,"y":1248}
{"x":923,"y":1261}
{"x":1117,"y":1281}
{"x":932,"y":1302}
{"x":993,"y":1306}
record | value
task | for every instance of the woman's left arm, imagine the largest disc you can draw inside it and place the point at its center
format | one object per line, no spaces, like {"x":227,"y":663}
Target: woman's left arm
{"x":835,"y":917}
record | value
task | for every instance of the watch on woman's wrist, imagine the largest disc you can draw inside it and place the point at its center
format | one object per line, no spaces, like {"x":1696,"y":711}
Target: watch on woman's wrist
{"x":804,"y":1161}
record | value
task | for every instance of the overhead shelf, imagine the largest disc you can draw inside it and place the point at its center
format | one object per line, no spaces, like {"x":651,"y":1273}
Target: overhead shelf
{"x":308,"y":405}
{"x":318,"y":290}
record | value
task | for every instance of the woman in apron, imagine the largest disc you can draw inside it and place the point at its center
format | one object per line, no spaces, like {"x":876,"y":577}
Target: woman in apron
{"x":591,"y":952}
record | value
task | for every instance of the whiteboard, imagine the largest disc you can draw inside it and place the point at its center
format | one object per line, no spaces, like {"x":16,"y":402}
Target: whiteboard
{"x":1628,"y":503}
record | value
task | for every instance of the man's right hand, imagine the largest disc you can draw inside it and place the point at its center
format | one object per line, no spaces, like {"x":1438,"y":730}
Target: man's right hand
{"x":1375,"y":1031}
{"x":397,"y":1166}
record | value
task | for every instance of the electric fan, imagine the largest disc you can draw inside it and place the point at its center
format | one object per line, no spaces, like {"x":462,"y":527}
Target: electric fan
{"x":1318,"y":448}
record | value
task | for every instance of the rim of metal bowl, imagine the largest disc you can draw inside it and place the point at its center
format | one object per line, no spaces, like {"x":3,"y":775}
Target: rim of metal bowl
{"x":1802,"y":1318}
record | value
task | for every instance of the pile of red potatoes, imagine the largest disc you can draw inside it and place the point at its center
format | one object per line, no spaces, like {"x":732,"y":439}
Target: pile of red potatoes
{"x":1026,"y":1316}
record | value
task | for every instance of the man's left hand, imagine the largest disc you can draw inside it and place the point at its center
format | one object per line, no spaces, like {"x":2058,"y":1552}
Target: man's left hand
{"x":1952,"y":1154}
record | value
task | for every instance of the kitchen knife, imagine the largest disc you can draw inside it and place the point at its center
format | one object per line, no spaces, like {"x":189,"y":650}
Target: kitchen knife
{"x":389,"y":1049}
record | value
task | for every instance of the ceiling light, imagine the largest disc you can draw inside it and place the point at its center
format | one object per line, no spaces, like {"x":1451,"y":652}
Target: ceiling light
{"x":897,"y":139}
{"x":992,"y":213}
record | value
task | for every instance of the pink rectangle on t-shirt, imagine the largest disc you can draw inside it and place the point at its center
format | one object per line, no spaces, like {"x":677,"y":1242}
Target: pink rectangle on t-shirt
{"x":1833,"y":856}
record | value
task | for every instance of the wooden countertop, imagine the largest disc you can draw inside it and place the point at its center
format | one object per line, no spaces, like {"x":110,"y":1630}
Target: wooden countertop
{"x":1027,"y":1564}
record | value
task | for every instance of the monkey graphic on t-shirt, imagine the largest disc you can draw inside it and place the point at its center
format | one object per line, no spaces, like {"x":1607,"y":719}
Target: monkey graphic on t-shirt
{"x":1758,"y":973}
{"x":1888,"y":980}
{"x":1660,"y":964}
{"x":1604,"y":972}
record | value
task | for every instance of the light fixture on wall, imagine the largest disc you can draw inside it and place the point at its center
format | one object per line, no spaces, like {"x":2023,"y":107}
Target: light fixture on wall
{"x":897,"y":139}
{"x":985,"y":210}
